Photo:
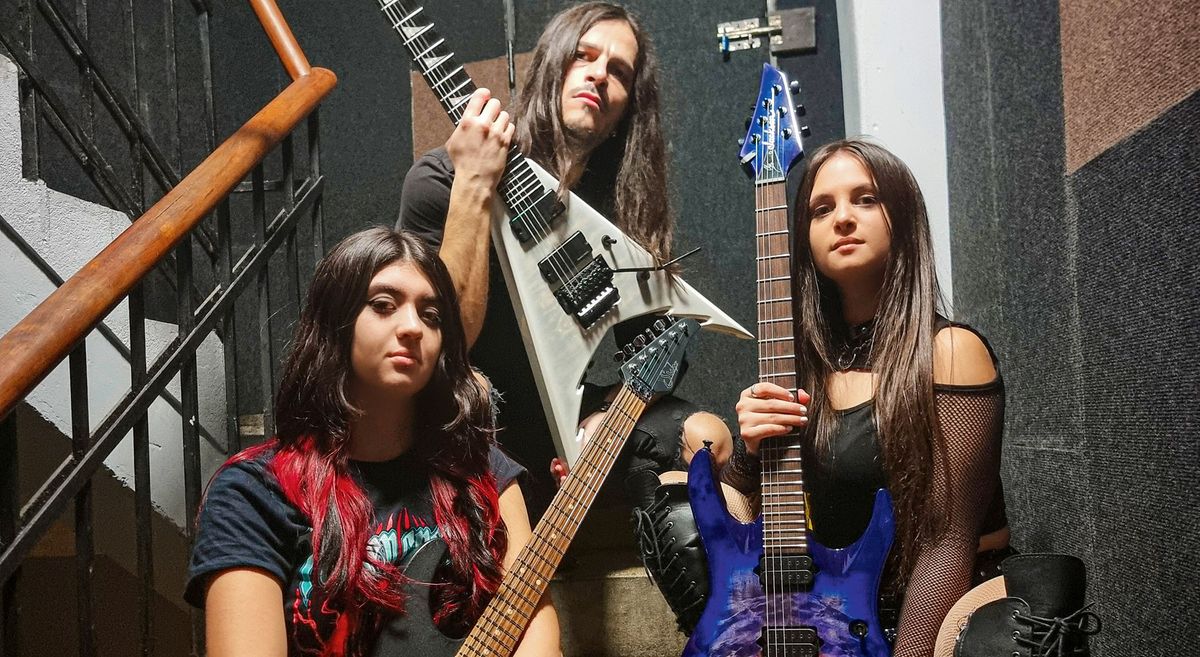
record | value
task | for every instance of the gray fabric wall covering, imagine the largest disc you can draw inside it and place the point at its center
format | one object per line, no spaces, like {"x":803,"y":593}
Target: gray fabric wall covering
{"x":1087,"y":286}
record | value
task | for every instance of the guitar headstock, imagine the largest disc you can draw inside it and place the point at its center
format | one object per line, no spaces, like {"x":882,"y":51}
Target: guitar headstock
{"x":655,"y":358}
{"x":773,"y":140}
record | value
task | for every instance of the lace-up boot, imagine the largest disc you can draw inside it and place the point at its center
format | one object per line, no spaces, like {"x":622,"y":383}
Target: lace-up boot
{"x":1043,"y":616}
{"x":672,"y":552}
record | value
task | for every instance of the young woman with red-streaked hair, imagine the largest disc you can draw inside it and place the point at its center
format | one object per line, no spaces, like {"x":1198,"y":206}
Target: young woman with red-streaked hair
{"x":383,"y":443}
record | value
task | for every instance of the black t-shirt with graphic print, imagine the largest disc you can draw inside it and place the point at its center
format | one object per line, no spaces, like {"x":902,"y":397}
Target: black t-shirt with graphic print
{"x":247,"y":522}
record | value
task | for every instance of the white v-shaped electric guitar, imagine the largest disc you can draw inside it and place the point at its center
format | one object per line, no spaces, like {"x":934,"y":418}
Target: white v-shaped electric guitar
{"x":558,"y":259}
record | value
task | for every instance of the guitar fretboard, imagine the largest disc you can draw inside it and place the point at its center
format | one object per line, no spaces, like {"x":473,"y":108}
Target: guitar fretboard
{"x":448,"y":79}
{"x":785,"y":519}
{"x":506,"y":617}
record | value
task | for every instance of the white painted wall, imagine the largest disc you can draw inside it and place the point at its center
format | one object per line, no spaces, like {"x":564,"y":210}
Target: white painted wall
{"x":892,"y":88}
{"x":67,"y":232}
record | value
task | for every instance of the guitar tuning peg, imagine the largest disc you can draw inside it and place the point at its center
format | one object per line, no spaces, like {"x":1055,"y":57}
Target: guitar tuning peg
{"x":794,"y":85}
{"x":619,"y":357}
{"x":775,"y":89}
{"x":628,"y":350}
{"x":787,"y":133}
{"x":805,"y":131}
{"x":742,"y":141}
{"x":660,"y":325}
{"x":801,"y":110}
{"x":639,"y":341}
{"x":748,"y":119}
{"x":782,"y":111}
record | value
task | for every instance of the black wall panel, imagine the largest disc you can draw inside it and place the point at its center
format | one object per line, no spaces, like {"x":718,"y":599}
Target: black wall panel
{"x":1086,"y":284}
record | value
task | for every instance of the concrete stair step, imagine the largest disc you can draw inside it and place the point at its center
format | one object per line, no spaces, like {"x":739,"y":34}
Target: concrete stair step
{"x":607,"y":606}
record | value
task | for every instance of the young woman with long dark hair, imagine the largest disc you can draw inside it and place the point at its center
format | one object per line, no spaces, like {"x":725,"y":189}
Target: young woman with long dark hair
{"x":383,"y":442}
{"x":900,"y":397}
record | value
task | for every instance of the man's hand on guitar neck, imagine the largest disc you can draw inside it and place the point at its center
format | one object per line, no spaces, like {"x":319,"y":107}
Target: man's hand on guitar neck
{"x":478,"y":148}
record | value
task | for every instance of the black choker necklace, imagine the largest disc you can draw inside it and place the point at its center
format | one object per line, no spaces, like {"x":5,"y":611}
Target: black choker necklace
{"x":855,"y":348}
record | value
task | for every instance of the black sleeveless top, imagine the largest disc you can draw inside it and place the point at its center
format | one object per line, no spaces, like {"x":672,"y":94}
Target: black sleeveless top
{"x":841,"y":484}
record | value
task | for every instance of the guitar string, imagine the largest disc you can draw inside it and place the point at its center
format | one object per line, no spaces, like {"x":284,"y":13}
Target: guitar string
{"x":529,"y":215}
{"x":592,"y":458}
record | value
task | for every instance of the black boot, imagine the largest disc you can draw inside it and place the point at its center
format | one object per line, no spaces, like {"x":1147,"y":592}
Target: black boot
{"x":672,"y":552}
{"x":1043,"y":615}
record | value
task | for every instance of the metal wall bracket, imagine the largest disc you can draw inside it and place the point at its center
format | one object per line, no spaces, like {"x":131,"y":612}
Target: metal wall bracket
{"x":788,"y":32}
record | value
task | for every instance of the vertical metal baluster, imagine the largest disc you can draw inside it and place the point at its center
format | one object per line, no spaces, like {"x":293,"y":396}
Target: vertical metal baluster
{"x":10,"y":611}
{"x":289,"y":201}
{"x":86,"y":80}
{"x":210,"y":114}
{"x":266,"y":359}
{"x":31,"y":161}
{"x":314,"y":172}
{"x":141,"y":472}
{"x":190,"y":407}
{"x":233,"y":438}
{"x":135,"y":142}
{"x":81,"y":438}
{"x":172,"y":55}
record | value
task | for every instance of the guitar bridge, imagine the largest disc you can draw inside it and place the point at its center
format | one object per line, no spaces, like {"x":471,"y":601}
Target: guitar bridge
{"x":589,"y":294}
{"x":585,"y":282}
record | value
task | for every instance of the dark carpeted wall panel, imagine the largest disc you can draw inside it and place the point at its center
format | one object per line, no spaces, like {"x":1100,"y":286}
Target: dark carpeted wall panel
{"x":1012,"y":249}
{"x":1086,"y":286}
{"x":1135,"y":206}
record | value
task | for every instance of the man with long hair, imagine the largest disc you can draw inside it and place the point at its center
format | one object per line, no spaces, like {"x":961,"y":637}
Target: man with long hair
{"x":589,"y":114}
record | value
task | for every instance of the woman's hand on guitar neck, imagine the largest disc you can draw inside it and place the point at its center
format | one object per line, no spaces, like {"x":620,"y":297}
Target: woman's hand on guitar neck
{"x":765,"y":410}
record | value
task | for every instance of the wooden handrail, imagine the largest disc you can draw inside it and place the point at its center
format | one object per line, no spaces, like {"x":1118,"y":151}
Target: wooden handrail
{"x":45,"y":336}
{"x":281,"y":38}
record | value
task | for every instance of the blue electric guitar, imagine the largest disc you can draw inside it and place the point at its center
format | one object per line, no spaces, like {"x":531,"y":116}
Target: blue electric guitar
{"x":774,"y":591}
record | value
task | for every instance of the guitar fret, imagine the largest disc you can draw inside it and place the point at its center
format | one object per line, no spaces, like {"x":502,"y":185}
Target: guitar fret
{"x":775,"y":278}
{"x":773,"y":257}
{"x":772,"y":232}
{"x":405,"y":19}
{"x":774,"y":320}
{"x":429,"y":66}
{"x":454,"y":90}
{"x":762,"y":340}
{"x":461,"y":101}
{"x":418,"y":34}
{"x":771,"y":207}
{"x":777,"y":357}
{"x":426,"y":51}
{"x":447,"y":77}
{"x":763,"y":302}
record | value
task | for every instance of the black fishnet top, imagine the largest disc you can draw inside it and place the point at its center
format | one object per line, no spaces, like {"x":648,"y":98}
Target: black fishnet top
{"x":971,"y":419}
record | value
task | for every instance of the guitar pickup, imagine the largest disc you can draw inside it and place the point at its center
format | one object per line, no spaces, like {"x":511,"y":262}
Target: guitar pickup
{"x":793,"y":641}
{"x":537,"y":218}
{"x":567,"y":260}
{"x":791,"y":570}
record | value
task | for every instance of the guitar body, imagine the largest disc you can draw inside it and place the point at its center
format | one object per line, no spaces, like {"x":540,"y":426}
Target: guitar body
{"x":845,"y":588}
{"x":559,"y":349}
{"x":414,"y":629}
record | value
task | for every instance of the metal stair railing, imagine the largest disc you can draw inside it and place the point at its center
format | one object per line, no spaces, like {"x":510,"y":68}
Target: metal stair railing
{"x":56,"y":329}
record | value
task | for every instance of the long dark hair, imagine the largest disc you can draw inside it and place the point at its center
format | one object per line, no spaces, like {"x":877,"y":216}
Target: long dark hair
{"x":312,"y":443}
{"x":632,"y":161}
{"x":901,"y":353}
